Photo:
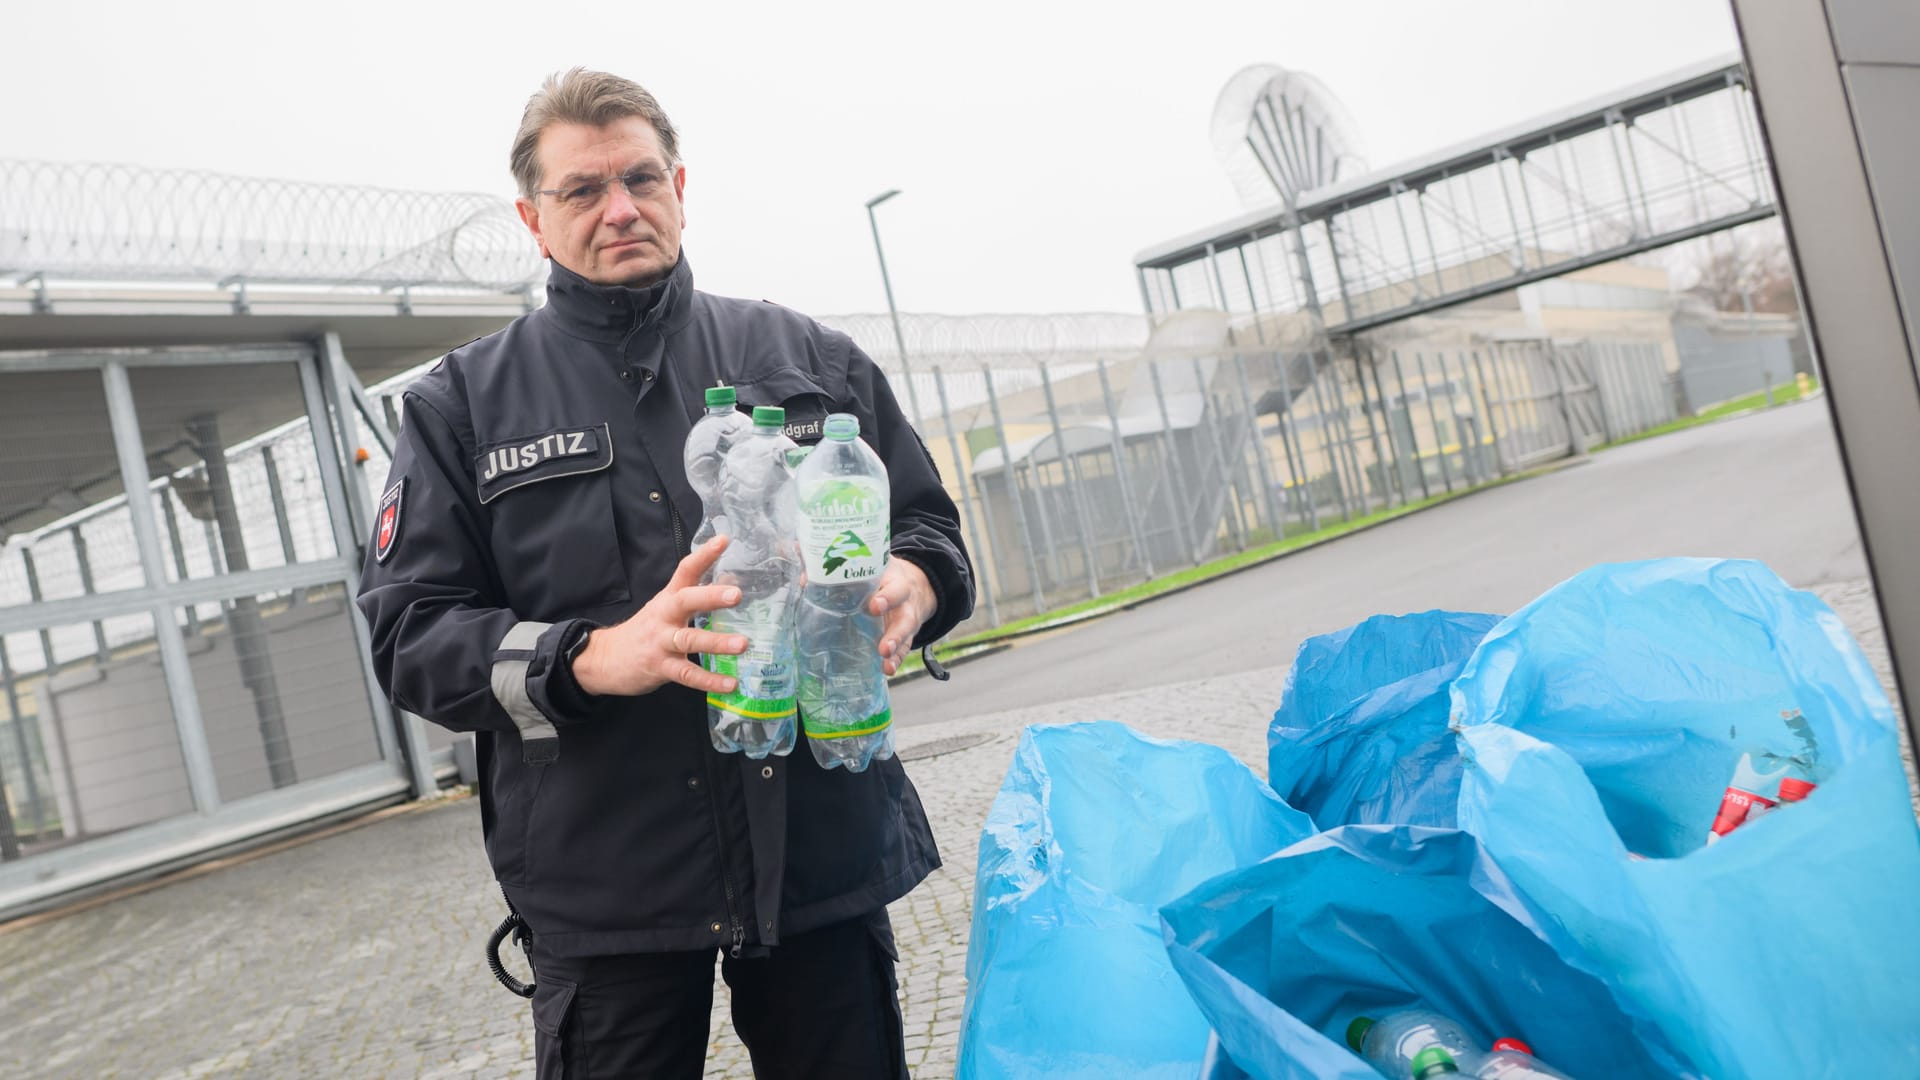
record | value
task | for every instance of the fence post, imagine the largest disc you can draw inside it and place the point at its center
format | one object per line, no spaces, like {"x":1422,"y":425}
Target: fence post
{"x":963,"y":478}
{"x":1373,"y":433}
{"x":1349,"y":444}
{"x":1013,"y":490}
{"x":1413,"y":436}
{"x":1174,"y":509}
{"x":1262,"y":467}
{"x":1393,"y":441}
{"x":1123,"y":475}
{"x":1493,"y":429}
{"x":1433,"y":418}
{"x":1290,"y":442}
{"x":1070,"y":472}
{"x":1207,"y":408}
{"x":1326,"y":439}
{"x":1576,"y":446}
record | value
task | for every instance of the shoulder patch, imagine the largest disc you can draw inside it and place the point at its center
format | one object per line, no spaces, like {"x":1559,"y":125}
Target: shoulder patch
{"x":386,"y":527}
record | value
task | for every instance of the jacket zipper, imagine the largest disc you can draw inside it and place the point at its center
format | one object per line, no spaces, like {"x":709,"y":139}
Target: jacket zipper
{"x":679,"y":532}
{"x":726,"y":875}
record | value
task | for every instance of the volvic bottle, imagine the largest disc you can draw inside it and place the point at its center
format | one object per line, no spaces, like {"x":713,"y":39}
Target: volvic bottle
{"x":706,"y":451}
{"x":762,"y":559}
{"x":845,"y":527}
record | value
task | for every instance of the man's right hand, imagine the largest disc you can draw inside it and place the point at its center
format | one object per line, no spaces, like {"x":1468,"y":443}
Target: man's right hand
{"x":650,"y":649}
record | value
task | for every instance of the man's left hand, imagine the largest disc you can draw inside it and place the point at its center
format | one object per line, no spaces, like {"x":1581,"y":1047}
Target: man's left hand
{"x":903,"y":601}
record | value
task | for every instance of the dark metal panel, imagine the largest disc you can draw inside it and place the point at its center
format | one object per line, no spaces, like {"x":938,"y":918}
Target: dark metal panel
{"x":1847,"y":293}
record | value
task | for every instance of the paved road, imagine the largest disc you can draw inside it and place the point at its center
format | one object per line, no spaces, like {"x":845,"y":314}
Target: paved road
{"x":358,"y":955}
{"x":1766,"y":486}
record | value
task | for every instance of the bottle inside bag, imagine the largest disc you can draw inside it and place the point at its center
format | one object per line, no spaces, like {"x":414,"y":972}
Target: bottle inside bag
{"x":1764,"y":780}
{"x":762,"y":559}
{"x":845,"y":528}
{"x":1391,"y":1043}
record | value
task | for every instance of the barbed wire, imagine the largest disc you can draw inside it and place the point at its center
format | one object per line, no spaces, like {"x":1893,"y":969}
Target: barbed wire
{"x":90,"y":220}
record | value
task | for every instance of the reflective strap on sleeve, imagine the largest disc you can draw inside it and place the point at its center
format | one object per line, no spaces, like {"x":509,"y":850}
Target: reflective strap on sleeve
{"x":539,"y":741}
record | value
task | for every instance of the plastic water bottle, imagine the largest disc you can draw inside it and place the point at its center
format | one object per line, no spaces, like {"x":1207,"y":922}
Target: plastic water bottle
{"x":1391,"y":1043}
{"x":845,"y":526}
{"x":762,"y":559}
{"x":1748,"y":796}
{"x":1513,"y":1060}
{"x":706,"y":451}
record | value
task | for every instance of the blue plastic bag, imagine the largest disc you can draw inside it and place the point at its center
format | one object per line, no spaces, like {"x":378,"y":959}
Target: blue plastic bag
{"x":1601,"y":724}
{"x":1365,"y":920}
{"x":1361,"y":735}
{"x":1094,"y":828}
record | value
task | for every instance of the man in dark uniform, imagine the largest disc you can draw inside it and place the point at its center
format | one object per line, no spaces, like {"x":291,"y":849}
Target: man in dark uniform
{"x":530,"y":580}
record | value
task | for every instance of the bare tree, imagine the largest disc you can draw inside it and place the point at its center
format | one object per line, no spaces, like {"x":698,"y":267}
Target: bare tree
{"x":1753,"y":262}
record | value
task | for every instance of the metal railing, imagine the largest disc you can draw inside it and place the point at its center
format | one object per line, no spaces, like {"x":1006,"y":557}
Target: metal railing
{"x":1653,"y":165}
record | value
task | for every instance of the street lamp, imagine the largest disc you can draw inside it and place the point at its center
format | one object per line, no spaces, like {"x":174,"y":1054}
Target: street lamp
{"x":899,"y":339}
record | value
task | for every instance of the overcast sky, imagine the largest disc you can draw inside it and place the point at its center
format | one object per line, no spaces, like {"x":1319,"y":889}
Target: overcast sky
{"x":1039,"y":144}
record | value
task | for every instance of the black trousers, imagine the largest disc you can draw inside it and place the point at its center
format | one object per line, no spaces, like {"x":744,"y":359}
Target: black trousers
{"x":824,"y":1004}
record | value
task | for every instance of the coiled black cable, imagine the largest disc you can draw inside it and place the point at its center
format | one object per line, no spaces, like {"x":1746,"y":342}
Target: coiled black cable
{"x":515,"y":925}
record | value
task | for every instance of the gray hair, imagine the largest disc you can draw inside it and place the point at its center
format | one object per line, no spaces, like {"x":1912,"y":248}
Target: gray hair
{"x":579,"y":96}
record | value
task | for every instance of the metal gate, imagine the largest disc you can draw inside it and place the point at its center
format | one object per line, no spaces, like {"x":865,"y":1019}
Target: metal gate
{"x":185,"y":668}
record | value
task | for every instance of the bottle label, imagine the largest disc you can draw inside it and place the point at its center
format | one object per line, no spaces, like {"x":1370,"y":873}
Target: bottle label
{"x":828,"y":729}
{"x":768,"y":677}
{"x":843,"y":530}
{"x":1737,"y":807}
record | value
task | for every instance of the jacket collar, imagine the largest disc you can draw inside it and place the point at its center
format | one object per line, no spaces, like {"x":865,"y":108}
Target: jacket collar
{"x":611,"y":312}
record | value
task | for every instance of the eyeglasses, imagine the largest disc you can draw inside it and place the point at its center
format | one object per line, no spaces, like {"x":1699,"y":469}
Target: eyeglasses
{"x":588,"y":194}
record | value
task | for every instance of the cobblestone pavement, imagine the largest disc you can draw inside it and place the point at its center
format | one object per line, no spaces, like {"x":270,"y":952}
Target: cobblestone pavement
{"x":358,"y":955}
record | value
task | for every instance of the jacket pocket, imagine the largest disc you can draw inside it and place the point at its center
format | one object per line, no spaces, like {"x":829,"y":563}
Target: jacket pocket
{"x":552,"y":521}
{"x":515,"y":789}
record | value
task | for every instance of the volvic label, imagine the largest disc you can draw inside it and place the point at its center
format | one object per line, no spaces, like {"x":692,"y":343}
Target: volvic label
{"x":843,"y":530}
{"x":768,"y":678}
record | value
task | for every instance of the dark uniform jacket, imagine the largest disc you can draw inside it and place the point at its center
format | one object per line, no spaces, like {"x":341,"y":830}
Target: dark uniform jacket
{"x":538,"y":490}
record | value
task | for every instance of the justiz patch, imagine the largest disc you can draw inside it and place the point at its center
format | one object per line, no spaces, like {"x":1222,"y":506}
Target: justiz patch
{"x":503,"y":466}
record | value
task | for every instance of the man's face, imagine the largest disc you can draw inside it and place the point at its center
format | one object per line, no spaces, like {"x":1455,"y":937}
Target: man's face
{"x":608,"y":236}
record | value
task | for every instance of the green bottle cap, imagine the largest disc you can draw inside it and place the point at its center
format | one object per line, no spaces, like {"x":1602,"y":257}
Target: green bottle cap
{"x":1357,"y":1031}
{"x":720,"y":395}
{"x":769,"y":416}
{"x":1433,"y":1061}
{"x":842,"y":427}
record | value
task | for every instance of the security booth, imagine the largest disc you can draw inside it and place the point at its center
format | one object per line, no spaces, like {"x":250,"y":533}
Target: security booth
{"x":184,"y":504}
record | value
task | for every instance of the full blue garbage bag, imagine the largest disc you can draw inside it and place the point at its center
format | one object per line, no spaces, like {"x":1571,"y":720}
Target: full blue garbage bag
{"x":1601,"y":724}
{"x":1094,"y":828}
{"x":1361,"y":735}
{"x":1365,"y":920}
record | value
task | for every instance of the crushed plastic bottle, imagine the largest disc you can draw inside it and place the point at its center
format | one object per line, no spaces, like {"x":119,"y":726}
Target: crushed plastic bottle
{"x":1392,"y":1043}
{"x":1764,"y":780}
{"x":1512,"y":1059}
{"x":762,"y":559}
{"x":1745,"y":798}
{"x":845,"y":527}
{"x":705,"y":455}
